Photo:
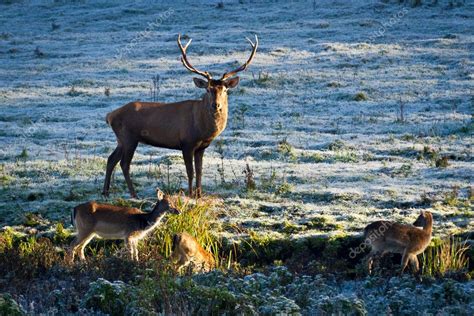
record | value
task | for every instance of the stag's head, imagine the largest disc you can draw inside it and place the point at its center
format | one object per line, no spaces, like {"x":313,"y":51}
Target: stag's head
{"x":216,"y":89}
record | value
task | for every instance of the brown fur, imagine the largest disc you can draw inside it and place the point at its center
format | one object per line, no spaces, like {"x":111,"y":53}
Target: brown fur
{"x":189,"y":126}
{"x":408,"y":240}
{"x":93,"y":219}
{"x":187,"y":250}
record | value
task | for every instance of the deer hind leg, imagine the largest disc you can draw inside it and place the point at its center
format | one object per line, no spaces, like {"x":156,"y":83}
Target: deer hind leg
{"x":370,"y":261}
{"x":415,"y":264}
{"x":188,"y":161}
{"x":405,"y":258}
{"x":127,"y":156}
{"x":79,"y":244}
{"x":113,"y":160}
{"x":198,"y":155}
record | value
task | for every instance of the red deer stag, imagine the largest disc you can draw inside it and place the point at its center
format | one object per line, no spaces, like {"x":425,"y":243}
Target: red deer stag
{"x":189,"y":126}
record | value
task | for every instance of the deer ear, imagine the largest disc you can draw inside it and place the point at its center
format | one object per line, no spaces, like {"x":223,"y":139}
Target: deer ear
{"x":200,"y":83}
{"x":159,"y":194}
{"x":232,"y":83}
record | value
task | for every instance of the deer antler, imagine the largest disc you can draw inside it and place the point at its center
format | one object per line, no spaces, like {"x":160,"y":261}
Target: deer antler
{"x":186,"y":62}
{"x":244,"y":66}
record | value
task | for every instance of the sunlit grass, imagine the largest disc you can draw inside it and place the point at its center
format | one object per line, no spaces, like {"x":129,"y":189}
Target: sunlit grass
{"x":449,"y":256}
{"x":197,"y":218}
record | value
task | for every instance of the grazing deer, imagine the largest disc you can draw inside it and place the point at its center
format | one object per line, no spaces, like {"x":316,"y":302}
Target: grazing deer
{"x":189,"y":126}
{"x":408,"y":240}
{"x":187,"y":250}
{"x":107,"y":221}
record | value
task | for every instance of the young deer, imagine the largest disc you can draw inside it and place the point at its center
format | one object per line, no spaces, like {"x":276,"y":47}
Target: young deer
{"x":187,"y":250}
{"x":189,"y":126}
{"x":408,"y":240}
{"x":116,"y":222}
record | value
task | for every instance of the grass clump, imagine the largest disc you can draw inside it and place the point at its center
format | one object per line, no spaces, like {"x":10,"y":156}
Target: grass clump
{"x":5,"y":177}
{"x":23,"y":155}
{"x":286,"y":150}
{"x":323,"y":223}
{"x":337,"y":145}
{"x":263,"y":79}
{"x":283,"y":189}
{"x":345,"y":156}
{"x":360,"y":96}
{"x":313,"y":158}
{"x":73,"y":92}
{"x":199,"y":219}
{"x":449,"y":256}
{"x":442,"y":162}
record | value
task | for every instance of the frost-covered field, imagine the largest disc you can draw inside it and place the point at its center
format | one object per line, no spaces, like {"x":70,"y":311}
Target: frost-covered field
{"x":317,"y":116}
{"x":351,"y":111}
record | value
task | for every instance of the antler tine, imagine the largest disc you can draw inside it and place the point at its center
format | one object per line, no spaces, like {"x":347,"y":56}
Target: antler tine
{"x":186,"y":63}
{"x":247,"y":63}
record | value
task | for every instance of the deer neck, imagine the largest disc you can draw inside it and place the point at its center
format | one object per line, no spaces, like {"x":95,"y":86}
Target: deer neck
{"x":212,"y":120}
{"x":155,"y":217}
{"x":428,"y":228}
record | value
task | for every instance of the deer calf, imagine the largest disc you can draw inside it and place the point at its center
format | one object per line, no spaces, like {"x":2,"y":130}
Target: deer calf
{"x":187,"y":250}
{"x":408,"y":240}
{"x":107,"y":221}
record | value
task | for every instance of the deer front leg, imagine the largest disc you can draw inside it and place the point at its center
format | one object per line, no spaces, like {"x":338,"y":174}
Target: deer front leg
{"x":405,"y":259}
{"x":131,"y":247}
{"x":79,"y":244}
{"x":198,"y":155}
{"x":188,"y":161}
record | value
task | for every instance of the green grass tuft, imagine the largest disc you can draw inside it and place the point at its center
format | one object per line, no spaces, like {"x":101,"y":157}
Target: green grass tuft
{"x":446,"y":257}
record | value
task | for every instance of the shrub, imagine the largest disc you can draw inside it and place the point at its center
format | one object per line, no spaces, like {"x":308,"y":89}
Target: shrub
{"x":8,"y":306}
{"x":341,"y":305}
{"x":25,"y":258}
{"x":108,"y":297}
{"x":61,"y":235}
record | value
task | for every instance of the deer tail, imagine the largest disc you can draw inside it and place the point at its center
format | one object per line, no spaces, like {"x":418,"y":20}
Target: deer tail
{"x":108,"y":118}
{"x":73,"y":217}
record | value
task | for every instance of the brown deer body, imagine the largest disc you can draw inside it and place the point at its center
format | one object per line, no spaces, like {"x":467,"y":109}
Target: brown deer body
{"x":189,"y":126}
{"x":187,"y":250}
{"x":408,"y":240}
{"x":107,"y":221}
